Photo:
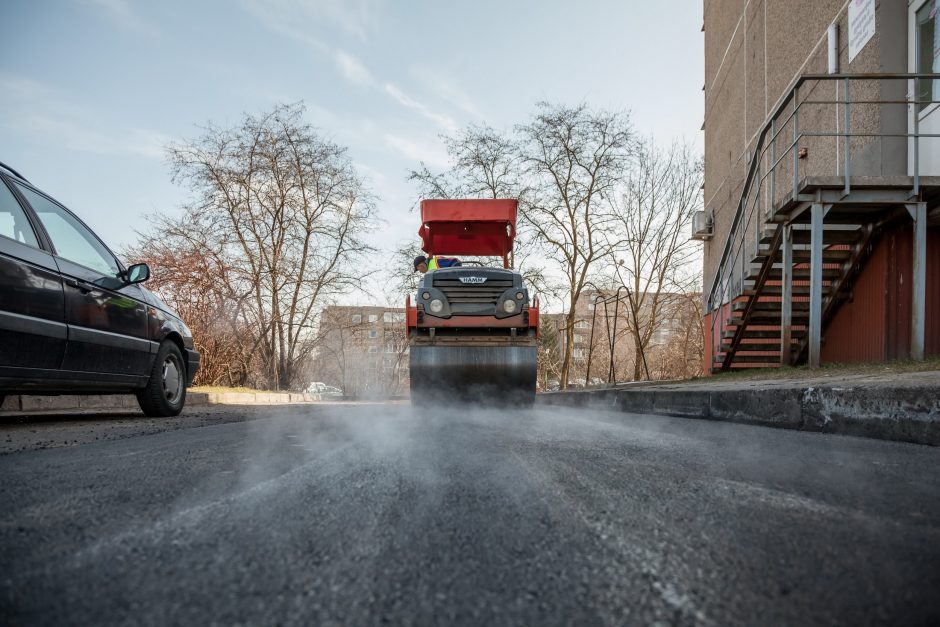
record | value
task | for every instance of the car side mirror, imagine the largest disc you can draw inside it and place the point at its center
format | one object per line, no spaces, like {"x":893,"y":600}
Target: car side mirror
{"x":137,"y":273}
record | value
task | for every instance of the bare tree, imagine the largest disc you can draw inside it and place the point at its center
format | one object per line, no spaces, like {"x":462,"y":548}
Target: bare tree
{"x":191,"y":275}
{"x":395,"y":358}
{"x":573,"y":160}
{"x":486,"y":164}
{"x":654,"y":257}
{"x":287,"y":212}
{"x":682,"y":355}
{"x":549,"y":352}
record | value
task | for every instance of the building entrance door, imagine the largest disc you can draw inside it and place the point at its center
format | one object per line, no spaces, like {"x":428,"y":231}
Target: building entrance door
{"x":924,"y":56}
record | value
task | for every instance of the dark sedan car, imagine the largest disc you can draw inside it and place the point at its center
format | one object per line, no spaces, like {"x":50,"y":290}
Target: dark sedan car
{"x":74,"y":319}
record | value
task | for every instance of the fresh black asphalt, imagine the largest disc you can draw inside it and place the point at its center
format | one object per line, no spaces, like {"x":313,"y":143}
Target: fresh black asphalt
{"x":368,"y":514}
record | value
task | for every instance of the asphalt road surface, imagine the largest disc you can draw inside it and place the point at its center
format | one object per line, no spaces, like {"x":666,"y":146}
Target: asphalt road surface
{"x":350,"y":515}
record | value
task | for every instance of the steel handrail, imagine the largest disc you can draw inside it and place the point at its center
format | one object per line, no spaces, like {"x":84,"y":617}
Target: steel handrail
{"x":755,"y":178}
{"x":771,"y":120}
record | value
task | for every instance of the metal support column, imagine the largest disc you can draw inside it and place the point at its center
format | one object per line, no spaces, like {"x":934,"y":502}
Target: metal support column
{"x":918,"y":211}
{"x":847,"y":145}
{"x":815,"y":284}
{"x":786,"y":301}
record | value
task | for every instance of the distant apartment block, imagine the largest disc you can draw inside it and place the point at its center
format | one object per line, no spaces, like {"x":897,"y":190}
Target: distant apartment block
{"x":363,"y":350}
{"x":821,"y":226}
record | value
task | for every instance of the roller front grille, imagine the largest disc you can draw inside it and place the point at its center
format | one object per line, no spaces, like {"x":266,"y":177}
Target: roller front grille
{"x":459,"y":294}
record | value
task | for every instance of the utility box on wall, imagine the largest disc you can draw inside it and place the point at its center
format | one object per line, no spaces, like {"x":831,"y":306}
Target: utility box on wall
{"x":701,"y":226}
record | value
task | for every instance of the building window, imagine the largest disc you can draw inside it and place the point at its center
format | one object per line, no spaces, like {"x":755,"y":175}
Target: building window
{"x":373,"y":349}
{"x":373,"y":334}
{"x":391,"y":316}
{"x":373,"y":317}
{"x":356,"y":318}
{"x":927,"y":54}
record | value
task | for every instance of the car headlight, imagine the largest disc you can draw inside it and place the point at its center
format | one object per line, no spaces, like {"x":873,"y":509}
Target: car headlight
{"x":509,"y":306}
{"x":436,"y":305}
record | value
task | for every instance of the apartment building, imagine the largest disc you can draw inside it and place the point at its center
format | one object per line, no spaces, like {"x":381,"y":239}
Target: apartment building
{"x":364,"y":350}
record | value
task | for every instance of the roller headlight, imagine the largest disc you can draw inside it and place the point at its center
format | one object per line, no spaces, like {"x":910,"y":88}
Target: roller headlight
{"x":509,"y":306}
{"x":519,"y":295}
{"x":436,"y":305}
{"x":426,"y":295}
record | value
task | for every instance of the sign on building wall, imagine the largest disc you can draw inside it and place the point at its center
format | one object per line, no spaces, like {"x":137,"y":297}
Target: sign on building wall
{"x":861,"y":25}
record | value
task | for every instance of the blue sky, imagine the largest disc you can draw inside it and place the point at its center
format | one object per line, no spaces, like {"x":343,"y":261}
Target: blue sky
{"x":92,"y":90}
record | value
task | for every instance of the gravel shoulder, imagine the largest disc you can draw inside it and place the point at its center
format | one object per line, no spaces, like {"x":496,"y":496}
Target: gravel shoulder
{"x":56,"y":430}
{"x":46,"y":430}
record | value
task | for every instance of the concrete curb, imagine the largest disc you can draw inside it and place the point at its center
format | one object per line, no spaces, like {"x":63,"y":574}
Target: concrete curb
{"x":67,"y":402}
{"x":907,"y":414}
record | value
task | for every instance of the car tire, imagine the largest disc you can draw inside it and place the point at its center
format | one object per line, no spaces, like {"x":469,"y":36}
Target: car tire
{"x":165,"y":393}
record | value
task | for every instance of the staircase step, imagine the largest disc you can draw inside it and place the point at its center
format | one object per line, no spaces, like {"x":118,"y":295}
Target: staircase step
{"x":750,"y":359}
{"x":761,"y":305}
{"x":767,"y":344}
{"x":766,"y":318}
{"x":799,"y":273}
{"x":777,"y":290}
{"x":832,"y":233}
{"x":763,"y":334}
{"x":748,"y":366}
{"x":803,"y":255}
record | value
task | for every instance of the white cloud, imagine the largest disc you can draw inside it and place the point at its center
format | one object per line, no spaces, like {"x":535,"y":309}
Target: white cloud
{"x":358,"y":18}
{"x":446,"y":89}
{"x":121,"y":13}
{"x":296,"y":20}
{"x":35,"y":109}
{"x":81,"y":138}
{"x":352,"y":70}
{"x":444,"y":121}
{"x":417,"y":150}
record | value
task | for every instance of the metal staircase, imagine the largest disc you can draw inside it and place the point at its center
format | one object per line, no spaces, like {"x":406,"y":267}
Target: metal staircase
{"x":793,"y":252}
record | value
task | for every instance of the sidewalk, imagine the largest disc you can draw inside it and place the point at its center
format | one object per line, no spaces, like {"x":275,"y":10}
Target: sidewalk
{"x":890,"y":406}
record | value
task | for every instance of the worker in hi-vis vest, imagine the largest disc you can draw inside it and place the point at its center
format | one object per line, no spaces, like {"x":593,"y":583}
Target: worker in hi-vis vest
{"x":426,"y":264}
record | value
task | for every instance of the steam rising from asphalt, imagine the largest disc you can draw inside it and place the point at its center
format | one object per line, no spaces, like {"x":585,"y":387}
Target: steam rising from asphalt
{"x":393,"y":497}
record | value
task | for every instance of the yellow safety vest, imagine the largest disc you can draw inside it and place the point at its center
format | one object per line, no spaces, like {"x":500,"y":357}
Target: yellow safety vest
{"x":432,"y":264}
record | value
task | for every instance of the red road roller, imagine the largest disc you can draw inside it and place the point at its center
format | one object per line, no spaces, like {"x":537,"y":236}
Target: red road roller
{"x":472,"y":329}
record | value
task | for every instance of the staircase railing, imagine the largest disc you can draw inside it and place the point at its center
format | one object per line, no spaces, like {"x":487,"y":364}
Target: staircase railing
{"x":759,"y":193}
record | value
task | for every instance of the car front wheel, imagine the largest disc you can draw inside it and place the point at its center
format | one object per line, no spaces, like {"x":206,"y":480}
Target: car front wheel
{"x":165,"y":393}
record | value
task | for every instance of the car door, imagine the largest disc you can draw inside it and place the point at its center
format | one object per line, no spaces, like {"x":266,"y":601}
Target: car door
{"x":32,"y":306}
{"x":107,"y":321}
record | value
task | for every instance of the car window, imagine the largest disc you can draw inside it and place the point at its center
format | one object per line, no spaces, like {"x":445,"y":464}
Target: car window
{"x":13,"y":222}
{"x":72,"y":240}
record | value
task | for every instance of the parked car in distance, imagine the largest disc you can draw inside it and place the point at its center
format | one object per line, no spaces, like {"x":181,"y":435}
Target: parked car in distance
{"x":74,"y":319}
{"x":318,"y":387}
